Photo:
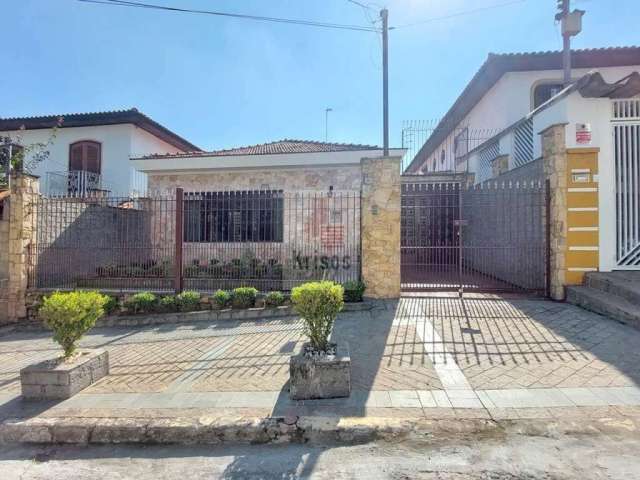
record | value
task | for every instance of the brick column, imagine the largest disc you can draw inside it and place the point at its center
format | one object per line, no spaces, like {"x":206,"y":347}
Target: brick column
{"x":24,"y":191}
{"x":554,"y":158}
{"x":380,"y":226}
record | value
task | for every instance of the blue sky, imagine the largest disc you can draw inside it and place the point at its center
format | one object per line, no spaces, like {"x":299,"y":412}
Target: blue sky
{"x":222,"y":82}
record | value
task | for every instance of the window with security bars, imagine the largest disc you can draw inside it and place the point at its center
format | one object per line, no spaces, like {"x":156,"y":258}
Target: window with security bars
{"x":240,"y":216}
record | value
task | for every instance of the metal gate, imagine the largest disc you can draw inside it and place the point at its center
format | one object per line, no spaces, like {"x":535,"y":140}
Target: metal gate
{"x":486,"y":237}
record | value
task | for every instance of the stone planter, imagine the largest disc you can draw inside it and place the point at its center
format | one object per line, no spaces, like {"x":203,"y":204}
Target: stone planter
{"x":322,"y":377}
{"x":58,"y":380}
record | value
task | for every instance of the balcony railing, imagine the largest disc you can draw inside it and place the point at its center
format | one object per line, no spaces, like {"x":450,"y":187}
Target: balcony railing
{"x":74,"y":183}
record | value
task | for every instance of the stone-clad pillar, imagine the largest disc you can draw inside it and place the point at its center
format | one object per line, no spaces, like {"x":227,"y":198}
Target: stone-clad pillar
{"x":381,"y":226}
{"x":554,"y":153}
{"x":24,"y":192}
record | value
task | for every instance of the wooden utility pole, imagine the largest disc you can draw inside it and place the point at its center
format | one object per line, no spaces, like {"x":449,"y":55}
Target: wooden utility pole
{"x":384,"y":15}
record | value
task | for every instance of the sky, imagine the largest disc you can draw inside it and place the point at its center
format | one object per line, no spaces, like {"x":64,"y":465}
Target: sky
{"x":223,"y":82}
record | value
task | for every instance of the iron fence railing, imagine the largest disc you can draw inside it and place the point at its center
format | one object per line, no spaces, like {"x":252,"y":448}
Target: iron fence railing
{"x":74,"y":183}
{"x":271,"y":240}
{"x":459,"y":236}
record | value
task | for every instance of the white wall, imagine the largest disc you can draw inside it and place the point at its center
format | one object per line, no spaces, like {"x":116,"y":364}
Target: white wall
{"x":119,"y":143}
{"x":511,"y":99}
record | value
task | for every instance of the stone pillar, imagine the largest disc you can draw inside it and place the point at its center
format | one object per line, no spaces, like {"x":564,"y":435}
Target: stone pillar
{"x":4,"y":255}
{"x":380,"y":226}
{"x":554,"y":158}
{"x":24,"y":192}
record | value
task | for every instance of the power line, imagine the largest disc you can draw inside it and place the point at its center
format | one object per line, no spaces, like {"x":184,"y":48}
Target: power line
{"x":459,"y":14}
{"x":360,"y":4}
{"x":309,"y":23}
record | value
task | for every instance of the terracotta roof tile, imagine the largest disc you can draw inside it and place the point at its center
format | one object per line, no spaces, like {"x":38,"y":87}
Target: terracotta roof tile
{"x":274,"y":148}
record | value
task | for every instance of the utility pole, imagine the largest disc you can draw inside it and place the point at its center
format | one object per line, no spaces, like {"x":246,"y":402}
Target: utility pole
{"x":384,"y":15}
{"x":326,"y":123}
{"x":571,"y":26}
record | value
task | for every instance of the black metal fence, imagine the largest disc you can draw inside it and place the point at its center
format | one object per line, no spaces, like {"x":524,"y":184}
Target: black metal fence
{"x":271,"y":240}
{"x":491,"y":236}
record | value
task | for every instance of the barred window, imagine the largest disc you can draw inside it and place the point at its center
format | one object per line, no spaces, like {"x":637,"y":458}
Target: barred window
{"x":241,"y":216}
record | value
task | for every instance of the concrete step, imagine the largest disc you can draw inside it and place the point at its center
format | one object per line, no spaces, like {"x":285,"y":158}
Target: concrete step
{"x":605,"y":303}
{"x":621,"y":284}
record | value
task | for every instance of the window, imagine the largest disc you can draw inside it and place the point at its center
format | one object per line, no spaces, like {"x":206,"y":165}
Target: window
{"x":85,"y":156}
{"x":443,"y":156}
{"x":543,"y":92}
{"x":253,"y":216}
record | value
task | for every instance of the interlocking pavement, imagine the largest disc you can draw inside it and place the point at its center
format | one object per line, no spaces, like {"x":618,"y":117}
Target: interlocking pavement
{"x":418,"y":354}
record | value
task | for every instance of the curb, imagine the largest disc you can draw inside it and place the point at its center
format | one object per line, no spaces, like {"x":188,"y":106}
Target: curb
{"x":289,"y":430}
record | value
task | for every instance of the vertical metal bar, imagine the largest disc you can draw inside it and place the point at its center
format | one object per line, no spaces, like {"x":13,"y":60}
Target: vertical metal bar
{"x":460,"y":241}
{"x":547,"y":234}
{"x":179,"y":238}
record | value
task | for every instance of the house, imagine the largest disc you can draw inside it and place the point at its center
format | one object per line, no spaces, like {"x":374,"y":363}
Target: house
{"x":90,"y":151}
{"x":505,"y":89}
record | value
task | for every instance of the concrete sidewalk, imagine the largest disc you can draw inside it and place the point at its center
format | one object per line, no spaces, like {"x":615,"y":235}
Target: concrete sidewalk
{"x":484,"y":360}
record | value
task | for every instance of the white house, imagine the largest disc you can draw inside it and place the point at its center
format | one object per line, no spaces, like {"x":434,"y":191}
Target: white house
{"x":505,"y":89}
{"x":91,"y":151}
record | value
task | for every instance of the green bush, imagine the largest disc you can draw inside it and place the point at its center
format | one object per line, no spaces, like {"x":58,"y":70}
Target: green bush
{"x":70,"y":315}
{"x":143,"y":302}
{"x":274,"y":299}
{"x":222,"y":298}
{"x":188,"y":301}
{"x":353,"y":290}
{"x":244,"y":297}
{"x":318,"y":303}
{"x":111,"y":305}
{"x":168,"y":304}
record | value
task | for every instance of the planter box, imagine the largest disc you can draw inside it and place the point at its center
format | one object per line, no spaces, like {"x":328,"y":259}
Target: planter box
{"x":57,"y":380}
{"x":322,"y":377}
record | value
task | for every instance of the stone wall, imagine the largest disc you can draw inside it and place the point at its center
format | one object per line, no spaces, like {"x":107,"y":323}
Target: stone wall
{"x":22,"y":230}
{"x":554,"y":154}
{"x":315,"y":179}
{"x":4,"y":259}
{"x":381,"y":210}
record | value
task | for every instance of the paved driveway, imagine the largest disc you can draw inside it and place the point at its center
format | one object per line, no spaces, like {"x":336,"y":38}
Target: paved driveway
{"x":418,"y":353}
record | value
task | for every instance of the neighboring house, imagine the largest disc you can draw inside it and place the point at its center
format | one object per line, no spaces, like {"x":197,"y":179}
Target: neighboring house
{"x":90,"y":152}
{"x":505,"y":89}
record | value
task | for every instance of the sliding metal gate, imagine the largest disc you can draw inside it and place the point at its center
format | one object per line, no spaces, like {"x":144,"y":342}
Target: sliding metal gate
{"x":487,"y":237}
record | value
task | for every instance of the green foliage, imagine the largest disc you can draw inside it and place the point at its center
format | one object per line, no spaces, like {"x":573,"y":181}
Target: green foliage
{"x":274,"y":299}
{"x":188,"y":301}
{"x":70,"y":315}
{"x":111,"y":305}
{"x":353,"y":290}
{"x":318,"y":303}
{"x":168,"y":304}
{"x":244,"y":297}
{"x":143,"y":302}
{"x":222,"y":298}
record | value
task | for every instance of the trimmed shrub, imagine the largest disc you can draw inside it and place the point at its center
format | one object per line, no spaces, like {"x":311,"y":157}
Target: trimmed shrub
{"x":222,"y":298}
{"x":274,"y":299}
{"x":353,"y":290}
{"x":168,"y":304}
{"x":244,"y":297}
{"x":188,"y":301}
{"x":70,"y":315}
{"x":143,"y":302}
{"x":318,"y":303}
{"x":111,"y":305}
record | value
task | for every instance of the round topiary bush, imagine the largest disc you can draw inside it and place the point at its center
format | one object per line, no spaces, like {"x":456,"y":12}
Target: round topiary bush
{"x":318,"y":303}
{"x":188,"y":301}
{"x":143,"y":302}
{"x":244,"y":297}
{"x":353,"y":291}
{"x":70,"y":315}
{"x":222,"y":298}
{"x":274,"y":299}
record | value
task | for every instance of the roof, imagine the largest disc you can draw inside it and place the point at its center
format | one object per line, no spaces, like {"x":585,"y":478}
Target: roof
{"x":115,"y":117}
{"x":497,"y":65}
{"x":286,"y":146}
